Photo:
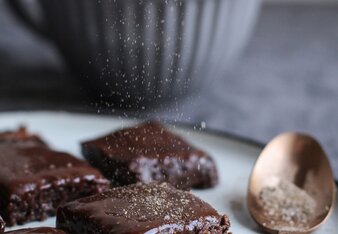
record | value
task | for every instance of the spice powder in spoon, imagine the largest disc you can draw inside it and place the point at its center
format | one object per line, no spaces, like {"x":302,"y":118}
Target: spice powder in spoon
{"x":287,"y":206}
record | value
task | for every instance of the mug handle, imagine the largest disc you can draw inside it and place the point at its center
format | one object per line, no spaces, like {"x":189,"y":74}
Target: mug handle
{"x":19,"y":9}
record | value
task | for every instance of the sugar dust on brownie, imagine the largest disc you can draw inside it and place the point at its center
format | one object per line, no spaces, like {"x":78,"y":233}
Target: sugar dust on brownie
{"x":140,"y":208}
{"x":149,"y":152}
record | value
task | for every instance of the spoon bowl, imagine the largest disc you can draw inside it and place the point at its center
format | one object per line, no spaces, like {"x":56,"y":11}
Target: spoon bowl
{"x":297,"y":159}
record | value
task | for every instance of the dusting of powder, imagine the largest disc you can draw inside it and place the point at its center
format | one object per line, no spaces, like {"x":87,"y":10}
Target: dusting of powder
{"x":287,"y":206}
{"x":150,"y":202}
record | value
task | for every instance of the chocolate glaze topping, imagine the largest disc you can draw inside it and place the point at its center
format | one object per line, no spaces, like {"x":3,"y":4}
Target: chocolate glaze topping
{"x":140,"y":209}
{"x":40,"y":230}
{"x":147,"y":153}
{"x":35,"y":180}
{"x":28,"y":168}
{"x":149,"y":139}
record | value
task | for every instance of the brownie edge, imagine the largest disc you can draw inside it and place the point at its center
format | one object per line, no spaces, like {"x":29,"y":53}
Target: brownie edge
{"x":21,"y":137}
{"x":150,"y":153}
{"x":140,"y":208}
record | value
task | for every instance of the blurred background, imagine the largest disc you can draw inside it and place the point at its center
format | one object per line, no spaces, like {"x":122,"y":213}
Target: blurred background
{"x":284,"y":76}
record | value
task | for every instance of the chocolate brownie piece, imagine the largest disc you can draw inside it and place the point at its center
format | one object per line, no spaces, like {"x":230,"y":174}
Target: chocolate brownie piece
{"x":21,"y":137}
{"x":2,"y":225}
{"x":141,"y":208}
{"x":35,"y":180}
{"x":40,"y":230}
{"x":147,"y":153}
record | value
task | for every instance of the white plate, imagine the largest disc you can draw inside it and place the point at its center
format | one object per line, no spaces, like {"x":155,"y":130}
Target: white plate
{"x":234,"y":158}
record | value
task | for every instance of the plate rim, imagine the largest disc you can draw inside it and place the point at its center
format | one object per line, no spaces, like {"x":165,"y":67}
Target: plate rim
{"x":192,"y":126}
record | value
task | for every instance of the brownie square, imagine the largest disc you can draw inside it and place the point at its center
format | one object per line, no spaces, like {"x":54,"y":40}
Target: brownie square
{"x":2,"y":225}
{"x":141,"y":208}
{"x":147,"y":153}
{"x":35,"y":180}
{"x":40,"y":230}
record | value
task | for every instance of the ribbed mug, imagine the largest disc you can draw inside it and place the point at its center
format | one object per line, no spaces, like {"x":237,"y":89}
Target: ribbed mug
{"x":145,"y":51}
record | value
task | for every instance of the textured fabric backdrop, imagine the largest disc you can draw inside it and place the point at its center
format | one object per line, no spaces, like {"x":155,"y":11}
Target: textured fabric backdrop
{"x":286,"y":80}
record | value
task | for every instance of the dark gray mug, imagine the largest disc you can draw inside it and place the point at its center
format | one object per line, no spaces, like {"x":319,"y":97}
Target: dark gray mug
{"x":145,"y":51}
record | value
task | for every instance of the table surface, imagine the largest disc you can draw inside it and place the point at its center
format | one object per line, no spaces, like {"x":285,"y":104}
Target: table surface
{"x":286,"y":79}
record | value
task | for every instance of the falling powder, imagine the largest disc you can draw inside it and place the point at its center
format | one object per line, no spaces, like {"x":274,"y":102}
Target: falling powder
{"x":287,"y":206}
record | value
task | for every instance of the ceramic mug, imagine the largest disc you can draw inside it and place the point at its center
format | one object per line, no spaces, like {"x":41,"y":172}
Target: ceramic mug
{"x":144,"y":51}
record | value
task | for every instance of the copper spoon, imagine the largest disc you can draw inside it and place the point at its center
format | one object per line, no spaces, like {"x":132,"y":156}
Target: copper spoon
{"x":300,"y":160}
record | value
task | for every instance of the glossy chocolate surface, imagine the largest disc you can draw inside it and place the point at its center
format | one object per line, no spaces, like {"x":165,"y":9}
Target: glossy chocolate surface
{"x":147,"y":153}
{"x":35,"y":180}
{"x":24,"y":169}
{"x":139,"y":208}
{"x":40,"y":230}
{"x":149,"y":139}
